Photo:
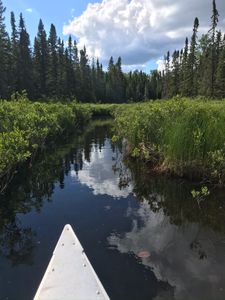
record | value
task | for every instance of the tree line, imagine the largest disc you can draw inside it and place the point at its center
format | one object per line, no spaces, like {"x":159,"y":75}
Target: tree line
{"x":198,"y":69}
{"x":51,"y":68}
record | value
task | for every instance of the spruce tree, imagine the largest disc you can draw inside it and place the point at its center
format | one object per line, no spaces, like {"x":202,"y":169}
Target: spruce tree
{"x":175,"y":74}
{"x":52,"y":74}
{"x":76,"y":69}
{"x":184,"y":70}
{"x":100,"y":82}
{"x":61,"y":70}
{"x":86,"y":94}
{"x":41,"y":60}
{"x":25,"y":81}
{"x":166,"y":93}
{"x":155,"y":88}
{"x":120,"y":82}
{"x":14,"y":54}
{"x":204,"y":69}
{"x":111,"y":81}
{"x":129,"y":88}
{"x":212,"y":35}
{"x":192,"y":63}
{"x":4,"y":54}
{"x":220,"y":74}
{"x":70,"y":69}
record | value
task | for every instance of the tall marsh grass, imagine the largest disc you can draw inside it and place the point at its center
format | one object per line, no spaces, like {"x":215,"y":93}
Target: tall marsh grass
{"x":187,"y":136}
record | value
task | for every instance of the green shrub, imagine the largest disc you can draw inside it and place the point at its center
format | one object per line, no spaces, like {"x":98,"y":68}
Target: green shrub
{"x":26,"y":126}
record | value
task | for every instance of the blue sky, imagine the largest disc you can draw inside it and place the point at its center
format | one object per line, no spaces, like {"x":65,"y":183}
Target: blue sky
{"x":140,"y":31}
{"x":56,"y":12}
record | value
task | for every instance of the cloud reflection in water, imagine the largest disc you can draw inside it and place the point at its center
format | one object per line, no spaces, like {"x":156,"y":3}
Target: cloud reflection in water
{"x":99,"y":176}
{"x":186,"y":257}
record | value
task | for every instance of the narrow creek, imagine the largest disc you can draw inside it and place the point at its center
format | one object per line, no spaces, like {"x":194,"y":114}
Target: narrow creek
{"x":146,"y":237}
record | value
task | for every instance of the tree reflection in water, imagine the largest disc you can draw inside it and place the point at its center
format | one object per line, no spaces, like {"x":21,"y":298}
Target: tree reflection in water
{"x":155,"y":215}
{"x":33,"y":186}
{"x":17,"y":243}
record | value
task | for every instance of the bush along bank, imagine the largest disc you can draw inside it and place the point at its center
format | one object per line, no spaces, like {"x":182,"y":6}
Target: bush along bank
{"x":182,"y":137}
{"x":25,"y":127}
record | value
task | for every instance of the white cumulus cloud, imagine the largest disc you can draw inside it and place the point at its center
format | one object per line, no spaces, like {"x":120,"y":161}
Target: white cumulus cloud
{"x":138,"y":30}
{"x":160,"y":65}
{"x":30,"y":10}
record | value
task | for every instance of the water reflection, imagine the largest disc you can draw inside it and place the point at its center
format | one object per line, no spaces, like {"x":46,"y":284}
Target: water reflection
{"x":34,"y":186}
{"x":16,"y":243}
{"x":97,"y":172}
{"x":185,"y":241}
{"x":121,"y":212}
{"x":184,"y":256}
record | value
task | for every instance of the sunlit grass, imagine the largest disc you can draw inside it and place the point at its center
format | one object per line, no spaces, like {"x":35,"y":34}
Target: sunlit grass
{"x":187,"y":135}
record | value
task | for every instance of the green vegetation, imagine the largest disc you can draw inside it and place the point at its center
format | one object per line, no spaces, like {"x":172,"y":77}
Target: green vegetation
{"x":179,"y":136}
{"x":201,"y":194}
{"x":52,"y":68}
{"x":26,"y":127}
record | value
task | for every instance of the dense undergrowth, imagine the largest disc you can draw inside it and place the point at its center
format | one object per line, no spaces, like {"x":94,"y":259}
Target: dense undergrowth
{"x":180,"y":136}
{"x":26,"y":127}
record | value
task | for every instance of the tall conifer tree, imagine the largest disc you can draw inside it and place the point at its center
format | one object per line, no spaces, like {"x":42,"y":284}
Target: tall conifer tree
{"x":24,"y":60}
{"x":4,"y":52}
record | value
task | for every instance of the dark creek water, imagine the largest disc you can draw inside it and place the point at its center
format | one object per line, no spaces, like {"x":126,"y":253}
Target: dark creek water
{"x":145,"y":236}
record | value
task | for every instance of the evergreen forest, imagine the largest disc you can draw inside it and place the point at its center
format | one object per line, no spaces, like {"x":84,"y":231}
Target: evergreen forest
{"x":49,"y":67}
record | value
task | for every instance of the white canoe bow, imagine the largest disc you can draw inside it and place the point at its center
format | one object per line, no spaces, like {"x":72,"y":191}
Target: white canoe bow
{"x":70,"y":275}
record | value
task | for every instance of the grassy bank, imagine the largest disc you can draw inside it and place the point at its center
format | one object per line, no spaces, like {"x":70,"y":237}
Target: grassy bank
{"x":181,"y":136}
{"x":26,"y":127}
